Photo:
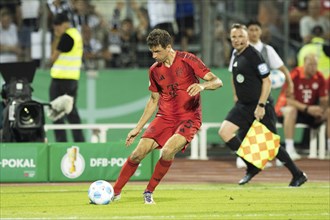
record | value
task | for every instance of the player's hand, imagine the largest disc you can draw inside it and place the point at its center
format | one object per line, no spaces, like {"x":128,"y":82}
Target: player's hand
{"x":131,"y":136}
{"x":259,"y":113}
{"x":194,"y":89}
{"x":315,"y":111}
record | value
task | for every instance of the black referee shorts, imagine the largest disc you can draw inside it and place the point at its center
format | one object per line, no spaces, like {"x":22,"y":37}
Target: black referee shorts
{"x":242,"y":115}
{"x":305,"y":118}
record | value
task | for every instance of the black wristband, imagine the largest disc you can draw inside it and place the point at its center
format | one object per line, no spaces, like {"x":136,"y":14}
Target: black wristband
{"x":262,"y":105}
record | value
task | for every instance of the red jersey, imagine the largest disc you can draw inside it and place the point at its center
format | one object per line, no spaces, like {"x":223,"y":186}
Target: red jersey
{"x":306,"y":91}
{"x":172,"y":83}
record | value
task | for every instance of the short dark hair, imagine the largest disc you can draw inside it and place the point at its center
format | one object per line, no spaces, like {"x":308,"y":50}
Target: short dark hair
{"x":253,"y":22}
{"x":159,"y":37}
{"x":239,"y":26}
{"x":60,"y":18}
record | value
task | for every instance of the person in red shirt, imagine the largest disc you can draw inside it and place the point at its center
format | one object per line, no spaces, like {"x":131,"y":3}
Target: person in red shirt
{"x":175,"y":91}
{"x":308,"y":105}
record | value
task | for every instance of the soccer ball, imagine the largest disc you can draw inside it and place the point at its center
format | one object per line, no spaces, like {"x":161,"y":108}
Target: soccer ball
{"x":277,"y":77}
{"x":100,"y":192}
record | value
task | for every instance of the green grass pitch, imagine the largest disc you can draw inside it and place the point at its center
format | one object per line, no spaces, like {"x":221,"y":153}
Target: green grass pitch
{"x":174,"y":201}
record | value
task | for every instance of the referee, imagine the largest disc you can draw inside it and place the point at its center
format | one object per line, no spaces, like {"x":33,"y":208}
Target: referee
{"x":251,"y":85}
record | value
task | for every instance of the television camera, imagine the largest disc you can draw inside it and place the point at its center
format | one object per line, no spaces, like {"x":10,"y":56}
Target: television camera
{"x":23,"y":118}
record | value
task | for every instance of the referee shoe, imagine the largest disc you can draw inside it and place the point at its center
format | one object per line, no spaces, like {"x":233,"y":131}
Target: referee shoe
{"x":298,"y":180}
{"x":249,"y":175}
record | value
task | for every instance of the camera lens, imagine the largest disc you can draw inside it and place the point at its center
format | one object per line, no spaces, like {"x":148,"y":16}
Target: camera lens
{"x":29,"y":115}
{"x":26,"y":116}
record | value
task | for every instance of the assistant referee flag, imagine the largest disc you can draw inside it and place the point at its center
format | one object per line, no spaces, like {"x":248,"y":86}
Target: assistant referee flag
{"x":259,"y":145}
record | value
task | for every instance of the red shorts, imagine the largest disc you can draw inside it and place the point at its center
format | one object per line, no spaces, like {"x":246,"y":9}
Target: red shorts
{"x":161,"y":129}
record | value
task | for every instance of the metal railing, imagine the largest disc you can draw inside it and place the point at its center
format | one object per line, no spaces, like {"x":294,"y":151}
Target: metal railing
{"x":199,"y":143}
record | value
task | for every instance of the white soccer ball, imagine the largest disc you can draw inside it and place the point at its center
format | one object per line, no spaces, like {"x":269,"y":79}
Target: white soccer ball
{"x":278,"y":78}
{"x":100,"y":192}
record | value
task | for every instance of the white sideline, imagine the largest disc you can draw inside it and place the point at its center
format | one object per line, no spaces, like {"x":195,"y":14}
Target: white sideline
{"x":199,"y":143}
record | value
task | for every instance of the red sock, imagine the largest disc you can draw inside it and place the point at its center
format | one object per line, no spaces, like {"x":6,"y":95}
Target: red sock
{"x":161,"y":169}
{"x":126,"y":172}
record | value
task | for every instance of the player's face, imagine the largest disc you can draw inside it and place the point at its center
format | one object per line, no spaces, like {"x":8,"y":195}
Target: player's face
{"x":310,"y":66}
{"x":159,"y":53}
{"x":254,"y":33}
{"x":59,"y":29}
{"x":239,"y":38}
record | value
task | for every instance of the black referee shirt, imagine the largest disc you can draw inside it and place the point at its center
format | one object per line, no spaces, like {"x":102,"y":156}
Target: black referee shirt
{"x":249,"y":68}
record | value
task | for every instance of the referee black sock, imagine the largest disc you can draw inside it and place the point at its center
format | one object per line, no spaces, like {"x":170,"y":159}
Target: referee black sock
{"x":234,"y":144}
{"x":284,"y":157}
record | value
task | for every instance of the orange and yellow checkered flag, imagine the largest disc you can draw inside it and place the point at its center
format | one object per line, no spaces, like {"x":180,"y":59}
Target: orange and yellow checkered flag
{"x":259,"y":145}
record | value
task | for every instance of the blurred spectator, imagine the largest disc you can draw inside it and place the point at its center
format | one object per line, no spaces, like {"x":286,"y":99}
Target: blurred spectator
{"x":312,"y":19}
{"x":9,"y":44}
{"x":325,"y":8}
{"x":297,"y":10}
{"x":142,"y":28}
{"x":221,"y":44}
{"x":114,"y":37}
{"x":318,"y":47}
{"x":308,"y":105}
{"x":128,"y":43}
{"x":14,"y":8}
{"x":55,"y":7}
{"x":269,"y":18}
{"x":30,"y":10}
{"x":162,"y":15}
{"x":185,"y":21}
{"x":94,"y":53}
{"x":84,"y":13}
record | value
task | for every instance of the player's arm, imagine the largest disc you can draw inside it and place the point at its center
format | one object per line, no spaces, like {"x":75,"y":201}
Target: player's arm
{"x":149,"y":110}
{"x":313,"y":110}
{"x":288,"y":80}
{"x":265,"y":92}
{"x":54,"y":57}
{"x":263,"y":72}
{"x":211,"y":82}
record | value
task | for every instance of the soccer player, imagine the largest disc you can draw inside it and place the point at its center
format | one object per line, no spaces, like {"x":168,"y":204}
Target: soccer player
{"x":175,"y":91}
{"x":251,"y":87}
{"x":310,"y":101}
